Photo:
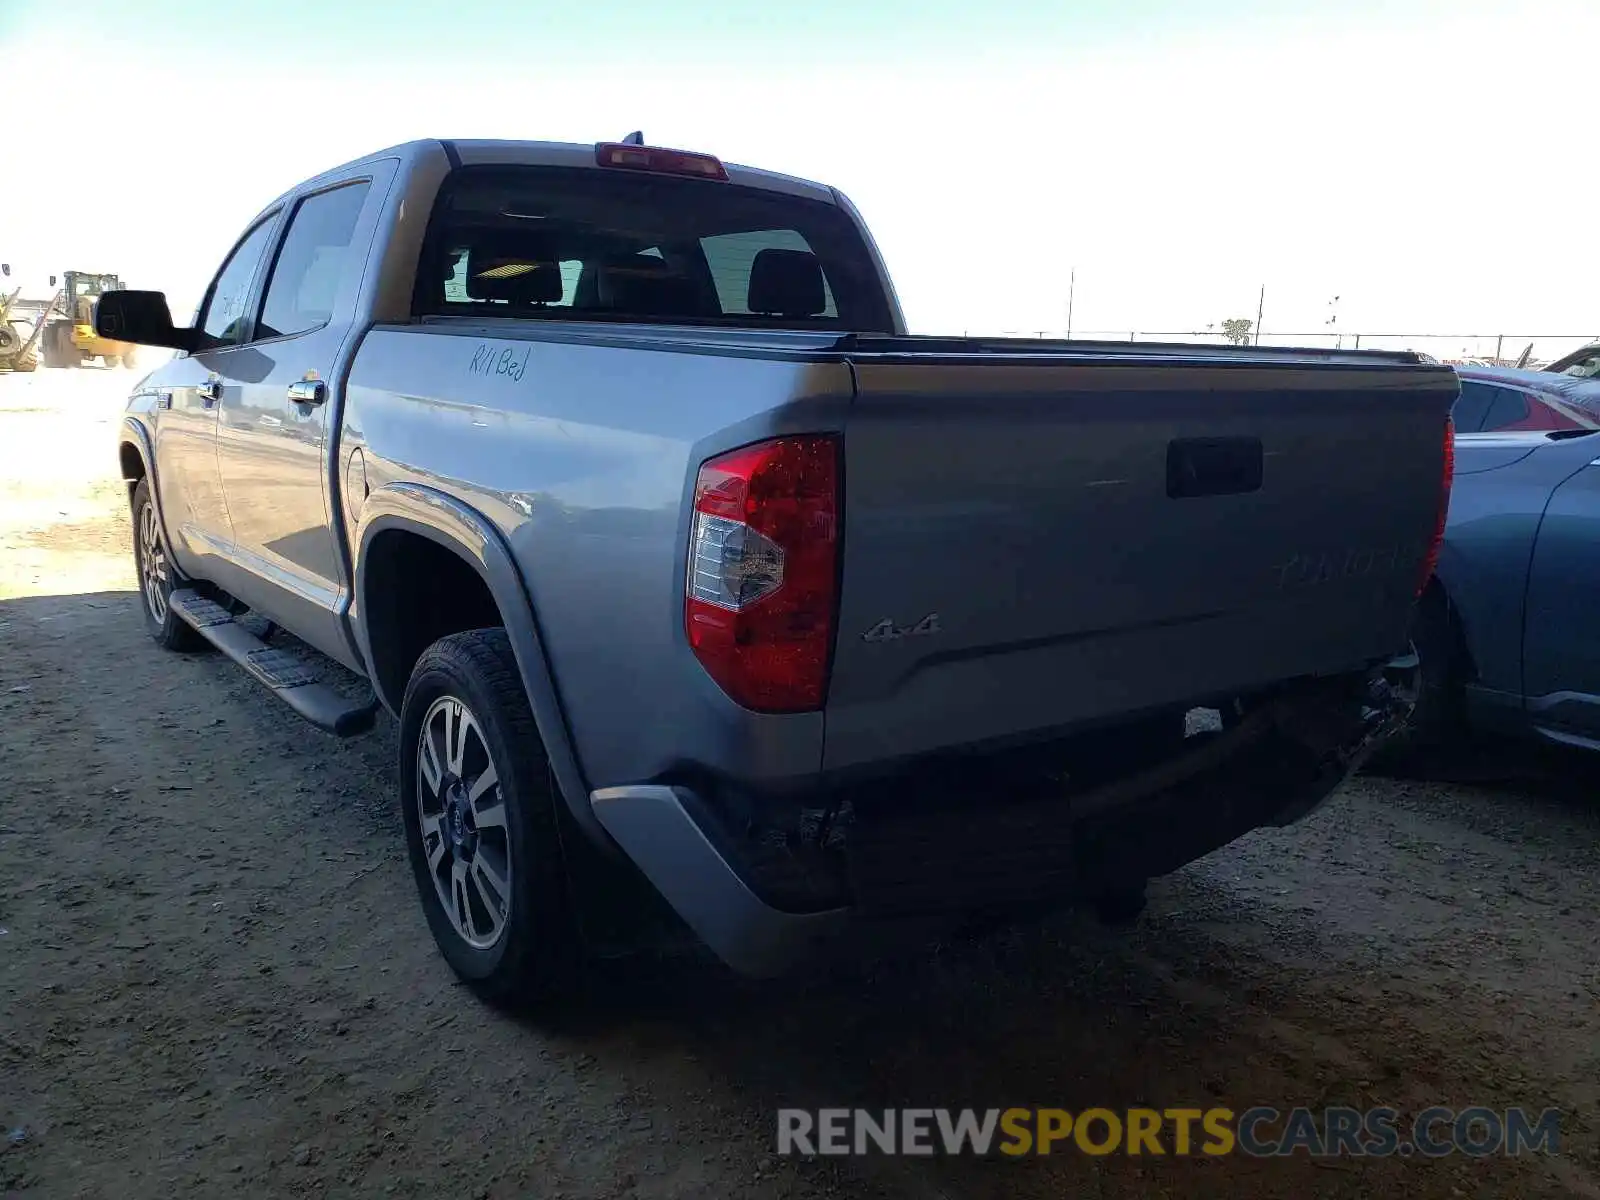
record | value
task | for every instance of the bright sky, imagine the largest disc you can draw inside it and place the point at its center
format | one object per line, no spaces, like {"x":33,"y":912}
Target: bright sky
{"x":1420,"y":159}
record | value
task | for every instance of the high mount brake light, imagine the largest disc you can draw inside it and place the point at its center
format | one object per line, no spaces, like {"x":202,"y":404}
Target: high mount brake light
{"x":761,"y":598}
{"x":1431,"y":562}
{"x":659,"y":160}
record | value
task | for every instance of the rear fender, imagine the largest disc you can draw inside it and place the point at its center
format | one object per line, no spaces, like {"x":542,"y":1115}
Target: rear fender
{"x":460,"y":528}
{"x":1483,"y":599}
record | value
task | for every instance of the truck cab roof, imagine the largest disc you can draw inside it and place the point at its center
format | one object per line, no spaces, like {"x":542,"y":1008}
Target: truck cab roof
{"x":498,"y":152}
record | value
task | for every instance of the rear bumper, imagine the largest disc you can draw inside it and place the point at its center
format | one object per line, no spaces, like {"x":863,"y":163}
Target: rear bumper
{"x":909,"y":857}
{"x":652,"y":825}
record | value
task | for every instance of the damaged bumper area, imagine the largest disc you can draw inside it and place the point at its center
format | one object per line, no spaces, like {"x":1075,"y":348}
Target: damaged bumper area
{"x":766,"y":883}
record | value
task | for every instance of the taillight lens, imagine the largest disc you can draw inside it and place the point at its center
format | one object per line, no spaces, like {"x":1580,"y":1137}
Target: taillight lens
{"x":1431,"y":562}
{"x":763,"y":583}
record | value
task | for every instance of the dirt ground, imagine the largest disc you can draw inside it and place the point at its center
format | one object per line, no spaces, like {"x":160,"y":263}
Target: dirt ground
{"x":215,"y":979}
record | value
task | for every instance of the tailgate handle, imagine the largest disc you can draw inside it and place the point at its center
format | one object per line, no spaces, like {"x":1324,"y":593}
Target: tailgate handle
{"x":1213,"y":467}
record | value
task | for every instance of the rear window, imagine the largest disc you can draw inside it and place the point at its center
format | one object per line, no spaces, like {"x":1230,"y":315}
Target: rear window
{"x":563,"y":243}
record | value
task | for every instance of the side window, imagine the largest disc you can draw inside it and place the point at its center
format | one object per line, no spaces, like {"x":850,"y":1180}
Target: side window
{"x":730,"y":256}
{"x":312,"y":262}
{"x":1585,"y":368}
{"x":1506,"y":409}
{"x":1472,"y":406}
{"x":224,"y":319}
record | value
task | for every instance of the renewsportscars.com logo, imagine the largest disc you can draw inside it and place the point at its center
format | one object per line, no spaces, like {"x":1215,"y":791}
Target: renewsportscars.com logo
{"x":1260,"y":1132}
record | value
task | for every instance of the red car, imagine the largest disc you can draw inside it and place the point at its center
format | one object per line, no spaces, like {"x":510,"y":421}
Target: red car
{"x":1505,"y":400}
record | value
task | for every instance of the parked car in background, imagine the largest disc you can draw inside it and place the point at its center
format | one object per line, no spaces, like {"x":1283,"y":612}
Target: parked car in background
{"x":1505,"y":630}
{"x":1508,"y":400}
{"x":1583,"y":363}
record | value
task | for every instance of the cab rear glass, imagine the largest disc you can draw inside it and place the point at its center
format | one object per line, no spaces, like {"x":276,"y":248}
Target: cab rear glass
{"x":614,"y":245}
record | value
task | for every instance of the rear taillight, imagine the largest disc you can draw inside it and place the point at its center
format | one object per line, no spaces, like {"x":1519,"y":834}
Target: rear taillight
{"x":1431,"y":562}
{"x":763,"y":583}
{"x":659,"y":160}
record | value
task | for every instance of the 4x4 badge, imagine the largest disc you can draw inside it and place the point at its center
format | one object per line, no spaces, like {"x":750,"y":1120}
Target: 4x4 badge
{"x":887,"y":631}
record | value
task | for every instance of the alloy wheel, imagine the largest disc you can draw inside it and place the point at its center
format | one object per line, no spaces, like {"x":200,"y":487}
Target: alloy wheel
{"x":462,"y":816}
{"x":152,"y":563}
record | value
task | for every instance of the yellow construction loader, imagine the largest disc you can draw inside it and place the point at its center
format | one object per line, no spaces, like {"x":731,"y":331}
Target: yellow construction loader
{"x":19,"y":333}
{"x":69,"y":337}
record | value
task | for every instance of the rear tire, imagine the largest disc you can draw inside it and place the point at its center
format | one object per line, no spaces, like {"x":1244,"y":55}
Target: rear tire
{"x":157,"y":576}
{"x":66,"y":354}
{"x":16,"y":337}
{"x":1439,"y":720}
{"x":1121,"y":907}
{"x":479,"y":806}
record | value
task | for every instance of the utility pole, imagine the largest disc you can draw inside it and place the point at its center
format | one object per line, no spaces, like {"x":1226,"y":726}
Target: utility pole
{"x":1072,"y":288}
{"x":1261,"y":303}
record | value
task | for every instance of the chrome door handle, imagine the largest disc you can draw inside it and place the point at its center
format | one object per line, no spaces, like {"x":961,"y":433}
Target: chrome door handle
{"x":308,"y":391}
{"x":210,"y":391}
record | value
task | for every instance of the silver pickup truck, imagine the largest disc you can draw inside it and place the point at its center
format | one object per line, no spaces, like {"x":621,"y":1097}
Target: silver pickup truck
{"x":689,"y":576}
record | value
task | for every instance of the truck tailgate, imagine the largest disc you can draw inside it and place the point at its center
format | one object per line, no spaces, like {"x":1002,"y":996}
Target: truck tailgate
{"x":1033,"y":544}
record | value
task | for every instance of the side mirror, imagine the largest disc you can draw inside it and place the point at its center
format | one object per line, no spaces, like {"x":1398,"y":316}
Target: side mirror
{"x":52,"y":281}
{"x":5,"y":269}
{"x":141,"y":318}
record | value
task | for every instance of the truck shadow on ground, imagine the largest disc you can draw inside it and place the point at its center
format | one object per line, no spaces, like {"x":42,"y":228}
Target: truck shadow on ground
{"x":1519,"y":767}
{"x":1065,"y":1014}
{"x":1524,"y":793}
{"x":1216,"y":998}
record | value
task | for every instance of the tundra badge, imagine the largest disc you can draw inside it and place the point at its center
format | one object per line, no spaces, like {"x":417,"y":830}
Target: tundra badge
{"x":887,"y":631}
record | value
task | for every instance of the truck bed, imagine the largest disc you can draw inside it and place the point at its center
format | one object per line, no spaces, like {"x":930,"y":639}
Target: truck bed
{"x":1037,"y":536}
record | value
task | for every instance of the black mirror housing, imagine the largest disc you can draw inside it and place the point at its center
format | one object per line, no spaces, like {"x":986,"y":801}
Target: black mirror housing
{"x":141,"y":318}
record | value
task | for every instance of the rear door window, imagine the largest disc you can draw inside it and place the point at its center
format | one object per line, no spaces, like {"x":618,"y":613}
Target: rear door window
{"x":312,"y":261}
{"x":1507,"y":408}
{"x":596,"y":244}
{"x":1472,"y":406}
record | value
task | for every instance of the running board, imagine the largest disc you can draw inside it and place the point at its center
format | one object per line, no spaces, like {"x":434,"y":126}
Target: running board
{"x":283,"y":672}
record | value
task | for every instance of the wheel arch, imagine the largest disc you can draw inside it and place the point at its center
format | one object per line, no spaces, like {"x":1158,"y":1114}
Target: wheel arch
{"x":1438,"y":594}
{"x":131,"y":459}
{"x":137,"y":460}
{"x":406,"y":518}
